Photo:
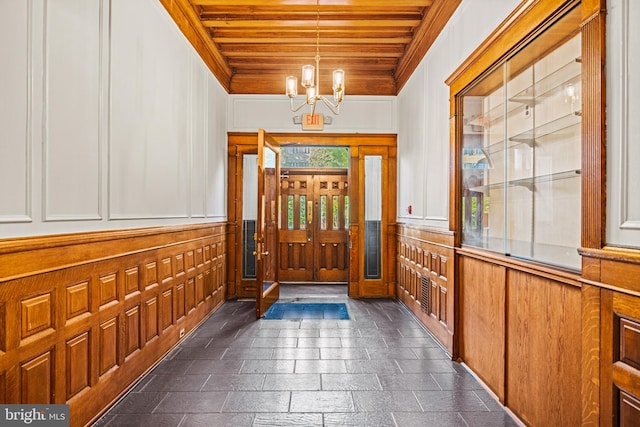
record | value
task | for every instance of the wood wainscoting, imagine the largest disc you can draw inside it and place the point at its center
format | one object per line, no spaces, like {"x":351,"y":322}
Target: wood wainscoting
{"x":519,"y":331}
{"x":611,"y":337}
{"x":83,"y":316}
{"x":425,"y":279}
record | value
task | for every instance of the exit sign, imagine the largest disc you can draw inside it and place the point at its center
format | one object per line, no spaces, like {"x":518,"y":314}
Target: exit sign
{"x":312,"y":122}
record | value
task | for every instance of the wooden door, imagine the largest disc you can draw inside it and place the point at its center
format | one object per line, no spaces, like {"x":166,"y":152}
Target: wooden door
{"x":266,"y":237}
{"x":314,"y":235}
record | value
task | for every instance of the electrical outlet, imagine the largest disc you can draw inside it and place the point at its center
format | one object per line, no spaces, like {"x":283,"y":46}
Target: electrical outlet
{"x":527,"y":111}
{"x":181,"y":332}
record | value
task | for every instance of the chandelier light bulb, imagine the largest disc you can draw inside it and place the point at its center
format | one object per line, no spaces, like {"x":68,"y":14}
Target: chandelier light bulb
{"x":292,"y":86}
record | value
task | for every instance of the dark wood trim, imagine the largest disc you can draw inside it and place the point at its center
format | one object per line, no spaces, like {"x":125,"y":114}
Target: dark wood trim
{"x":425,"y":35}
{"x":184,"y":16}
{"x":593,"y":131}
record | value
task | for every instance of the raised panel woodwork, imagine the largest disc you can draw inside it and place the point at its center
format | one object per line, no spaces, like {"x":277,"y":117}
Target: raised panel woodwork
{"x":151,"y":319}
{"x":424,"y":291}
{"x":131,"y":280}
{"x":629,"y":410}
{"x":543,"y":349}
{"x":442,"y":305}
{"x":151,"y":274}
{"x":208,"y":283}
{"x":190,"y":260}
{"x":166,"y":270}
{"x":77,"y":364}
{"x":199,"y":288}
{"x":108,"y":288}
{"x":108,"y":348}
{"x":199,"y":259}
{"x":179,"y":263}
{"x":166,"y":305}
{"x":181,"y":305}
{"x":207,"y":253}
{"x":190,"y":293}
{"x":630,"y":342}
{"x":64,"y":278}
{"x":77,"y":301}
{"x":36,"y":379}
{"x":621,"y":357}
{"x":36,"y":314}
{"x":482,"y":313}
{"x":132,"y":330}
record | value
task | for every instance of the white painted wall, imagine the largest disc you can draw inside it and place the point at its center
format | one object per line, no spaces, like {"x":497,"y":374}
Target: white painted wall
{"x":358,"y":114}
{"x":423,"y":111}
{"x":109,"y":120}
{"x":623,"y":127}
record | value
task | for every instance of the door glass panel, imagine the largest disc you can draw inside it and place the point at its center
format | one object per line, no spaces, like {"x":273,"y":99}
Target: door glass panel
{"x":249,"y":214}
{"x":290,"y":212}
{"x":323,"y":212}
{"x":346,"y":212}
{"x":303,"y":212}
{"x":335,"y":205}
{"x":314,"y":157}
{"x":372,"y":217}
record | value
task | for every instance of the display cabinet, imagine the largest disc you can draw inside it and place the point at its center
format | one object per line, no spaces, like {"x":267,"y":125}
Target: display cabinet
{"x":521,"y":152}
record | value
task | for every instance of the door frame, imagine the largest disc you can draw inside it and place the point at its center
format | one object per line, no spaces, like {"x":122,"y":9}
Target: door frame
{"x":241,"y":143}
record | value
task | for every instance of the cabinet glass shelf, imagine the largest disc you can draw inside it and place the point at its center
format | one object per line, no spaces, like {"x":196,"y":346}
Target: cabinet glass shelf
{"x":529,"y":182}
{"x":521,"y":166}
{"x":569,"y":74}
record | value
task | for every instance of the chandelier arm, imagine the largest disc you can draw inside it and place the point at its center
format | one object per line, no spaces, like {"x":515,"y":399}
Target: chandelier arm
{"x":295,"y":110}
{"x":335,"y":108}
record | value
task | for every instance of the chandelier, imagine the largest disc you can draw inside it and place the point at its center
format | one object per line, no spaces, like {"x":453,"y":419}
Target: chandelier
{"x":311,"y":81}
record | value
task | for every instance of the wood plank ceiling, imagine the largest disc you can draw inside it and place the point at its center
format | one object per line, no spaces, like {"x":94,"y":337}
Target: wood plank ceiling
{"x":252,"y":45}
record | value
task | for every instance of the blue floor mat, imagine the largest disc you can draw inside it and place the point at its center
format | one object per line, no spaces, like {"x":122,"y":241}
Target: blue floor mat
{"x":302,"y":310}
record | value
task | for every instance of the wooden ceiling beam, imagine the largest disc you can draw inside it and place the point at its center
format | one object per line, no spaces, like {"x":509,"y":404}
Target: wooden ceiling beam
{"x":261,"y":83}
{"x":307,"y":3}
{"x":324,"y":24}
{"x":283,"y":41}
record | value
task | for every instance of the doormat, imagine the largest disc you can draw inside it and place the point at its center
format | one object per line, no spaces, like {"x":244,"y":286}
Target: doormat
{"x":304,"y":310}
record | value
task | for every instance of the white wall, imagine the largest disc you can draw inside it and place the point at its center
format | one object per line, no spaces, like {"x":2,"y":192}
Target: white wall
{"x":423,"y":111}
{"x":358,"y":114}
{"x":109,"y":120}
{"x":623,"y":127}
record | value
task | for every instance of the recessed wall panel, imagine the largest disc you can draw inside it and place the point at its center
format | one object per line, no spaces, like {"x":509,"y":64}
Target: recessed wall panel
{"x":149,"y":151}
{"x":15,"y":93}
{"x":623,"y":138}
{"x":72,"y":110}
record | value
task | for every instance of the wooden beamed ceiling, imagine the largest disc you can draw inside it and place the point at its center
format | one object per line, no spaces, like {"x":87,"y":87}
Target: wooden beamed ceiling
{"x":252,"y":45}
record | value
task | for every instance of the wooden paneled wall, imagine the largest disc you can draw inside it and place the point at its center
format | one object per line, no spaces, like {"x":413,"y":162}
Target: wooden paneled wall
{"x":519,"y":331}
{"x":425,"y":279}
{"x":611,"y":337}
{"x":83,"y":316}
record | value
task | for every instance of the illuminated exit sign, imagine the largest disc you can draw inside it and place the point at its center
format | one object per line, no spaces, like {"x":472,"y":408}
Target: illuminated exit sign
{"x":312,"y":122}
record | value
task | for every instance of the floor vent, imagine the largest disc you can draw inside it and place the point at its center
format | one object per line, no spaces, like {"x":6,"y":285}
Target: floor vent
{"x":424,"y":300}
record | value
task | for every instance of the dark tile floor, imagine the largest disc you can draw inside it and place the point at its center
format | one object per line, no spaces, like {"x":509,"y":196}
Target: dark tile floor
{"x":380,"y":368}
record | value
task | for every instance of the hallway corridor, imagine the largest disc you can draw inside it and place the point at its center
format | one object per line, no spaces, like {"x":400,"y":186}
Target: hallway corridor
{"x":380,"y":368}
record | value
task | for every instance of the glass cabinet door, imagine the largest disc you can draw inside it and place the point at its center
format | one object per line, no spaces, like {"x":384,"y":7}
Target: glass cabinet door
{"x":521,"y":153}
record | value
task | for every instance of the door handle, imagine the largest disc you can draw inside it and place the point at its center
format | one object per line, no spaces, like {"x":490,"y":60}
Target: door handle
{"x":258,"y":252}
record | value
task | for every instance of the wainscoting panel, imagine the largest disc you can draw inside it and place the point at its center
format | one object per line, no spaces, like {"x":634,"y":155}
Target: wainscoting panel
{"x":425,"y":279}
{"x":83,"y":316}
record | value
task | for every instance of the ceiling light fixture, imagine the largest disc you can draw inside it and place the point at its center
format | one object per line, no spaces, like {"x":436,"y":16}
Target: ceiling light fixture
{"x":311,"y":81}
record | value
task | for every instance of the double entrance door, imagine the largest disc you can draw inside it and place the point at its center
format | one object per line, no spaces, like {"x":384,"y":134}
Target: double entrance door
{"x":313,"y":239}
